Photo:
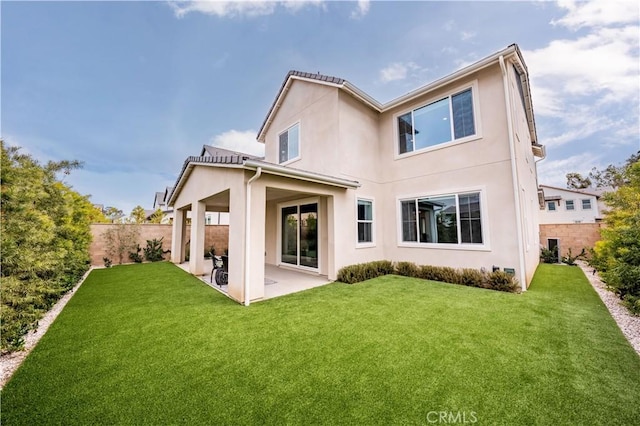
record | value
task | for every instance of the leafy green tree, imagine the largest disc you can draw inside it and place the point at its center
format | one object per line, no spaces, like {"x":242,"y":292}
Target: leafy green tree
{"x":113,"y":214}
{"x":44,"y":239}
{"x":157,"y":216}
{"x":577,"y":181}
{"x":138,"y":215}
{"x":617,"y":255}
{"x":613,"y":176}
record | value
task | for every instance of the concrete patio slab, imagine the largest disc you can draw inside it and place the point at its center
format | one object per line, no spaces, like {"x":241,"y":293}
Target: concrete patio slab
{"x":279,"y":280}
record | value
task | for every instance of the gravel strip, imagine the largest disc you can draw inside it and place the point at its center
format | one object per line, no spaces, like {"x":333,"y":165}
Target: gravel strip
{"x":628,"y":323}
{"x":10,"y":362}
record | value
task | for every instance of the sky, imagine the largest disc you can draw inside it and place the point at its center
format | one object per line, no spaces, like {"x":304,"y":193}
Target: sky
{"x":133,"y":88}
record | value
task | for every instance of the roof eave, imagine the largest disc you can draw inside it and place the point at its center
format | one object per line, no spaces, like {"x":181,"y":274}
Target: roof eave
{"x":461,"y":73}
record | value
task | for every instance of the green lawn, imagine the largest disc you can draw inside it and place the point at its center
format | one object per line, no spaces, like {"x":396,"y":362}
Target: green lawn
{"x":150,"y":344}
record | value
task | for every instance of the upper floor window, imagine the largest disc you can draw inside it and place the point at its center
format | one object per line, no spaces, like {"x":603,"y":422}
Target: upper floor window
{"x":439,"y":122}
{"x":551,"y":206}
{"x":586,"y":204}
{"x":289,"y":144}
{"x":568,"y":204}
{"x":447,"y":219}
{"x":365,"y":221}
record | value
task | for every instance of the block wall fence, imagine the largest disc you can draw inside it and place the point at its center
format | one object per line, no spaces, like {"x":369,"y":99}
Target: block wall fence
{"x":574,"y":236}
{"x":215,"y":235}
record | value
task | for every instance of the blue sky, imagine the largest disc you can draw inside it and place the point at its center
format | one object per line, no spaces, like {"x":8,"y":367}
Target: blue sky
{"x":133,"y":88}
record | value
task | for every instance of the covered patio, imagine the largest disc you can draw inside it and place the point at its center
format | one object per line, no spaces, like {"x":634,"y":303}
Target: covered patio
{"x":282,"y":227}
{"x":278,"y":281}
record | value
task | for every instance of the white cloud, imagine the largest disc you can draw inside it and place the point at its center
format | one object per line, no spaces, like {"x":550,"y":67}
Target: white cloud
{"x":361,"y":9}
{"x":597,"y":13}
{"x":239,"y":140}
{"x":399,"y":71}
{"x":577,"y":81}
{"x":604,"y":61}
{"x":554,"y":172}
{"x":235,"y":8}
{"x":467,"y":35}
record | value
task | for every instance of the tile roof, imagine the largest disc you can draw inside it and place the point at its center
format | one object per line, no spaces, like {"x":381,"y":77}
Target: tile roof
{"x":215,"y":151}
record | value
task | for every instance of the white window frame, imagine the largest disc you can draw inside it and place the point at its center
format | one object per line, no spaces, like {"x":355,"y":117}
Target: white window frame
{"x":582,"y":200}
{"x":371,"y":243}
{"x":555,"y":208}
{"x":484,"y":220}
{"x":477,"y":121}
{"x":566,"y":205}
{"x":291,"y":160}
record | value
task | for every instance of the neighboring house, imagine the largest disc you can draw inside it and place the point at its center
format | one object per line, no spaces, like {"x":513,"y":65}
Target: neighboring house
{"x":563,"y":205}
{"x":570,"y":219}
{"x":443,"y":175}
{"x":160,"y":202}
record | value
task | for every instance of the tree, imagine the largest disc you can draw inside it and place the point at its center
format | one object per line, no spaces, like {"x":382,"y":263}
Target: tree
{"x":613,"y":176}
{"x":156,"y":217}
{"x":113,"y":214}
{"x":138,"y":215}
{"x":617,"y":255}
{"x":576,"y":181}
{"x":44,"y":239}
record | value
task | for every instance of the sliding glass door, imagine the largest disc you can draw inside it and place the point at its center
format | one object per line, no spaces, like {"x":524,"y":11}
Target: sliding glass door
{"x":299,"y":239}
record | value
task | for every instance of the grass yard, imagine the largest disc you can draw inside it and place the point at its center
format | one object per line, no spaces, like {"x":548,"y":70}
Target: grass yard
{"x":150,"y":344}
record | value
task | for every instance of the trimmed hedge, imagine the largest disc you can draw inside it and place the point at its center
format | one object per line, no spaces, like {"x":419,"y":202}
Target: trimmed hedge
{"x":498,"y":280}
{"x":365,"y":271}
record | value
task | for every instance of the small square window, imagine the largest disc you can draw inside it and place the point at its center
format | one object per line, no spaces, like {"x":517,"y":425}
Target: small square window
{"x":551,"y":206}
{"x":586,"y":204}
{"x":569,"y":205}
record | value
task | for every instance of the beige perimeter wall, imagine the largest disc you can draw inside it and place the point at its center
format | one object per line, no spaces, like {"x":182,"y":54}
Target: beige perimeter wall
{"x":571,"y":235}
{"x":215,"y":235}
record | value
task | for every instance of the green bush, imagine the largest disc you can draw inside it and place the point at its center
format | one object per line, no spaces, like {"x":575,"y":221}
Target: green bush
{"x":440,"y":273}
{"x":153,"y":251}
{"x":472,"y":277}
{"x":364,"y":271}
{"x":407,"y":269}
{"x":501,"y":281}
{"x":549,"y":256}
{"x":570,"y":259}
{"x":498,"y":280}
{"x":632,"y":303}
{"x":135,"y":255}
{"x":44,"y":240}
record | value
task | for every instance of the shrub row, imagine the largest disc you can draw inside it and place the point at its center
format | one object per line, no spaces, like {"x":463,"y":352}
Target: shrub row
{"x":365,"y":271}
{"x":496,"y":280}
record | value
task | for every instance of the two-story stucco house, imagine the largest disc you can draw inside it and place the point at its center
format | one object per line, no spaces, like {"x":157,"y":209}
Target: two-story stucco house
{"x":564,"y":205}
{"x":443,"y":175}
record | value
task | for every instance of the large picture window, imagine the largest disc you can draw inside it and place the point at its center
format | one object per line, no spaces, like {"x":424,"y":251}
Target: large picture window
{"x":445,"y":219}
{"x":289,"y":144}
{"x":439,"y":122}
{"x":365,"y":221}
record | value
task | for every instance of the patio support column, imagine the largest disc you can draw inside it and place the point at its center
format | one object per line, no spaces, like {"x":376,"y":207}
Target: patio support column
{"x":256,"y":250}
{"x":178,"y":232}
{"x":331,"y":240}
{"x":196,"y":254}
{"x":237,"y":223}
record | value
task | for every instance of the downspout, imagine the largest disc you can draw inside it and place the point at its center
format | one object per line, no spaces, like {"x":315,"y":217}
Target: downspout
{"x":514,"y":176}
{"x":247,"y":236}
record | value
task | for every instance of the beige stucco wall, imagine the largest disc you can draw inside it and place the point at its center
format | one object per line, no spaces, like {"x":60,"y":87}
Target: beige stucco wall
{"x":315,"y":108}
{"x":352,"y":141}
{"x":205,"y":184}
{"x":526,"y":173}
